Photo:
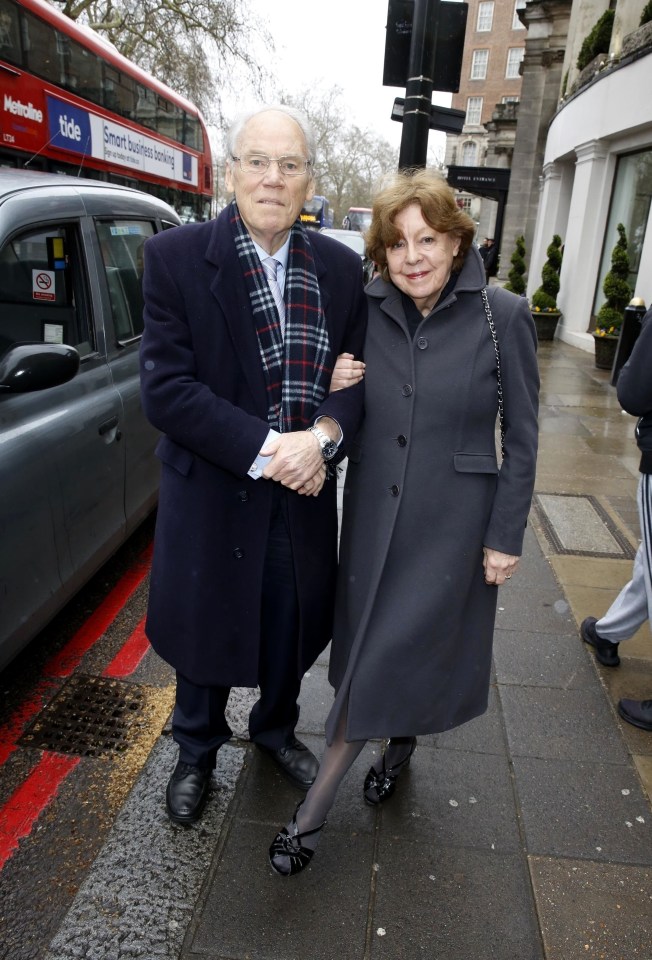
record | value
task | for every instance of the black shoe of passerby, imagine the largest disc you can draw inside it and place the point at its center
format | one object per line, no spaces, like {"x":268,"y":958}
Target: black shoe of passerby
{"x":605,"y":651}
{"x":636,"y":712}
{"x":186,"y":793}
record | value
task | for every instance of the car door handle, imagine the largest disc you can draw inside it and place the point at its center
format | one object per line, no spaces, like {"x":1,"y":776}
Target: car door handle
{"x":107,"y":425}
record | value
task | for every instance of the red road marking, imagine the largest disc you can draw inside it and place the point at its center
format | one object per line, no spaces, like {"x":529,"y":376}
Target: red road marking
{"x":31,"y":798}
{"x":127,"y":659}
{"x":24,"y":807}
{"x":64,"y":662}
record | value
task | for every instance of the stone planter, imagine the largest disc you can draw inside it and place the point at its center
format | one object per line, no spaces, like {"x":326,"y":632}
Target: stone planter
{"x":546,"y":323}
{"x":605,"y":351}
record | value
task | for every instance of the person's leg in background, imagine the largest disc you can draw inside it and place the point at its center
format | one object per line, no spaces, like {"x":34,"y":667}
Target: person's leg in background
{"x":632,"y":606}
{"x":639,"y":712}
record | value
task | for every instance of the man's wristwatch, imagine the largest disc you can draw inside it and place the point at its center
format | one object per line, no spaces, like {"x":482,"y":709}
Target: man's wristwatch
{"x":328,"y":446}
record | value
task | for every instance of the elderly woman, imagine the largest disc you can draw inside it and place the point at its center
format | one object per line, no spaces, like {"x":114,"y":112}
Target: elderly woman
{"x":432,"y":523}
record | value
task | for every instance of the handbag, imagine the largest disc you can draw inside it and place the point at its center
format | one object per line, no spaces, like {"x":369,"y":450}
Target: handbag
{"x":494,"y":337}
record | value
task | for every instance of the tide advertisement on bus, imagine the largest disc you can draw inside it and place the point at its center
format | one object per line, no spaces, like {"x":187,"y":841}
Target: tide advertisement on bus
{"x":35,"y":121}
{"x":82,"y":132}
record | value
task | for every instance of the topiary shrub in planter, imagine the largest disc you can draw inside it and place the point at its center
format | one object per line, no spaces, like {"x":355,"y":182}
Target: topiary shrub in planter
{"x":598,"y":40}
{"x":646,"y":15}
{"x":516,"y":281}
{"x":543,"y":305}
{"x":618,"y":293}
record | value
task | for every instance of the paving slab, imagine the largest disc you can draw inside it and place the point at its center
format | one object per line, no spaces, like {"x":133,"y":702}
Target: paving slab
{"x":530,"y":658}
{"x":575,"y":724}
{"x":485,"y":734}
{"x":250,"y":912}
{"x":455,"y":798}
{"x":452,"y":904}
{"x":597,"y":910}
{"x":593,"y":811}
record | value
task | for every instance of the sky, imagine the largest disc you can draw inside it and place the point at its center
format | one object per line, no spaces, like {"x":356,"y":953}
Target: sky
{"x":338,"y":43}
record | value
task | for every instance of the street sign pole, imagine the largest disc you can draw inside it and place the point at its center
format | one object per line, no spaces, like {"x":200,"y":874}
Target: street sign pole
{"x":418,"y":92}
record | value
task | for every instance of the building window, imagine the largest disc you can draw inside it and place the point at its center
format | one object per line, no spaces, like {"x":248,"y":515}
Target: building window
{"x":469,"y":154}
{"x":479,"y":64}
{"x":510,"y":99}
{"x":474,"y":110}
{"x":631,"y":199}
{"x":464,"y":203}
{"x":514,"y":57}
{"x":516,"y":23}
{"x":485,"y":16}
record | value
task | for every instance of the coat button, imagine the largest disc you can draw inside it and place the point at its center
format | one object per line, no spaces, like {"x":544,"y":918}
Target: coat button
{"x":407,"y":390}
{"x":395,"y":489}
{"x":238,"y":553}
{"x":422,"y":343}
{"x":401,"y":440}
{"x":243,"y":495}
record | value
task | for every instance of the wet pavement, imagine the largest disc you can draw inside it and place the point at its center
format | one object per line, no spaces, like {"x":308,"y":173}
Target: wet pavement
{"x":523,"y":835}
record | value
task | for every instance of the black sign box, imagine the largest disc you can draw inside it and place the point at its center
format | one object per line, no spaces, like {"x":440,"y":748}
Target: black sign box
{"x":448,"y":51}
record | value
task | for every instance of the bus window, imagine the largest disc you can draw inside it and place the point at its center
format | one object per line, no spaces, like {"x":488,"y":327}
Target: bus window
{"x":82,"y":71}
{"x":9,"y":33}
{"x":41,"y":49}
{"x":145,"y":106}
{"x":119,"y":92}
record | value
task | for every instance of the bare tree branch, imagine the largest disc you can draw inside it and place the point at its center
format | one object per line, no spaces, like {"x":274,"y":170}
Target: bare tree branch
{"x":192,"y":45}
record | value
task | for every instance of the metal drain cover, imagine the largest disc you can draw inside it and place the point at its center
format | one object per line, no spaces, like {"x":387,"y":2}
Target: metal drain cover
{"x":89,"y":717}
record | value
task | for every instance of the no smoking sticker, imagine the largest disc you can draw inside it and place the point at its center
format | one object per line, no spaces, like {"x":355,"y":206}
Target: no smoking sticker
{"x":43,"y":285}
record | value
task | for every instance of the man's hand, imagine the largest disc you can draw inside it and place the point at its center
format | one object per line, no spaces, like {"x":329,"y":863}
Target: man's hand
{"x":296,"y":460}
{"x":346,"y":373}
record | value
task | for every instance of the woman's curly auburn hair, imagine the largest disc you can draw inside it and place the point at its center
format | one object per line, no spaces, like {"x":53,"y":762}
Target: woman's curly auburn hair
{"x":429,"y":190}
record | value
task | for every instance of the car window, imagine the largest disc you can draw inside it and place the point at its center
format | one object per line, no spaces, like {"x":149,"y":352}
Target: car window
{"x":42,"y":292}
{"x":121,"y":242}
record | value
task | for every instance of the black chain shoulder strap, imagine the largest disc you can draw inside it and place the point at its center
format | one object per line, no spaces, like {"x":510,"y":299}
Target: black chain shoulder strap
{"x":494,"y":337}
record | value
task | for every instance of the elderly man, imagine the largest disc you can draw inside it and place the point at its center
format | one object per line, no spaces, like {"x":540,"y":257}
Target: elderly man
{"x":244,"y":317}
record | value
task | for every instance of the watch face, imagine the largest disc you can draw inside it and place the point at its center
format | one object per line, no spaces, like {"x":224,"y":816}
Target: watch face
{"x":329,"y":450}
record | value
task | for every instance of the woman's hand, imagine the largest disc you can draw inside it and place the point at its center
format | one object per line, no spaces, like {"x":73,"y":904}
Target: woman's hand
{"x":312,"y":487}
{"x":498,"y":567}
{"x":347,"y":372}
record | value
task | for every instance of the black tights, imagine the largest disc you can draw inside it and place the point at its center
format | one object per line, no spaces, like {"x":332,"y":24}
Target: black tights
{"x":337,"y":760}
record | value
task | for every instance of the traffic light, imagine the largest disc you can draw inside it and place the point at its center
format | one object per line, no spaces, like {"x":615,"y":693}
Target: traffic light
{"x":448,"y":51}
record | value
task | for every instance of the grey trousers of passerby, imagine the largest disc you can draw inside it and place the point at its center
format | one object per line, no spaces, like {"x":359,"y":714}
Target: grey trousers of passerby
{"x":633,"y":605}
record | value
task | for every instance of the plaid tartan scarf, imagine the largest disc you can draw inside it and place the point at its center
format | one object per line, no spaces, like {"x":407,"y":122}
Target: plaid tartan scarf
{"x":298,"y":368}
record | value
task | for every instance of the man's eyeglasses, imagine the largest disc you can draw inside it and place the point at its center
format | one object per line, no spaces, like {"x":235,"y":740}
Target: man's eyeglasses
{"x":259,"y":163}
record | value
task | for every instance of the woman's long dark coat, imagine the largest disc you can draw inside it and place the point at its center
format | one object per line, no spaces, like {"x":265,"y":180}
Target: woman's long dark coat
{"x":203,"y":386}
{"x":414,"y":618}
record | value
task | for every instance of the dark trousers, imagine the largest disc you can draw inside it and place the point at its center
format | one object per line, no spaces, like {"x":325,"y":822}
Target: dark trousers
{"x":199,"y":725}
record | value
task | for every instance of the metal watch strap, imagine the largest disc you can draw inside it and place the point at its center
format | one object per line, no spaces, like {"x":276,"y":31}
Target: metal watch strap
{"x":324,"y":440}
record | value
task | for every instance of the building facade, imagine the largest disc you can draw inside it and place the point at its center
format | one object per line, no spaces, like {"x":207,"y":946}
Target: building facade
{"x":597,"y":165}
{"x":490,"y":89}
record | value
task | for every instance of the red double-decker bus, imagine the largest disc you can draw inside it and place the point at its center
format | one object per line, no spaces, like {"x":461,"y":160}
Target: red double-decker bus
{"x":70,"y":103}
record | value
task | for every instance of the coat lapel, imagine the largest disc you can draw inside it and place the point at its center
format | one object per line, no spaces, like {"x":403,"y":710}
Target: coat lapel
{"x":232,"y":298}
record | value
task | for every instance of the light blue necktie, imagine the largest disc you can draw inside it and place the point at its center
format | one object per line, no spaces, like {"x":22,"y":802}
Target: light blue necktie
{"x":270,"y":265}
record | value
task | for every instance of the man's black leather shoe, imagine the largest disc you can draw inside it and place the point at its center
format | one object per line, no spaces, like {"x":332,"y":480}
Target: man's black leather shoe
{"x":186,"y":793}
{"x":605,"y":651}
{"x":296,"y":761}
{"x":637,"y":712}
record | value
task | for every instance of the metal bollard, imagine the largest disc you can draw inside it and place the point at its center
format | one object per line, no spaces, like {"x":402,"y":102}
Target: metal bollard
{"x":631,"y":327}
